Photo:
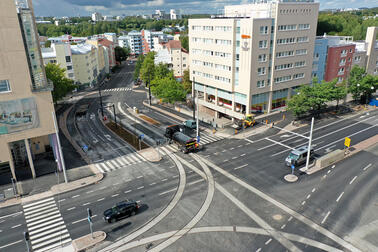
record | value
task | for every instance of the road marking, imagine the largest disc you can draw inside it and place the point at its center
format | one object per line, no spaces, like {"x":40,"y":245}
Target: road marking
{"x":237,"y":168}
{"x":258,"y":250}
{"x":247,"y":144}
{"x":367,"y":167}
{"x":72,"y":208}
{"x":100,"y":199}
{"x":141,"y":187}
{"x":90,"y":192}
{"x":291,"y":217}
{"x":171,"y":167}
{"x":127,"y":191}
{"x":234,"y":158}
{"x":242,"y":155}
{"x":223,"y":150}
{"x":232,"y":148}
{"x":115,"y":195}
{"x":9,"y":215}
{"x":283,"y":226}
{"x":172,"y":190}
{"x":195,"y":182}
{"x":268,"y":241}
{"x":154,"y":183}
{"x":139,"y":177}
{"x":225,"y":160}
{"x":85,"y":204}
{"x":324,"y":176}
{"x":75,"y":196}
{"x":102,"y":188}
{"x":175,"y":176}
{"x":303,"y":202}
{"x":333,"y":166}
{"x":17,"y":226}
{"x":10,"y":244}
{"x":250,"y":141}
{"x":352,"y":180}
{"x":308,"y":196}
{"x":325,"y":217}
{"x":328,"y":171}
{"x":341,"y":195}
{"x":164,"y":180}
{"x":240,"y":146}
{"x":74,"y":222}
{"x":61,"y":200}
{"x":274,"y":141}
{"x":116,"y":183}
{"x":313,"y":189}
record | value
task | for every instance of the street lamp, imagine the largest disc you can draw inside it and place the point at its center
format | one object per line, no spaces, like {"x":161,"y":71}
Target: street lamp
{"x":102,"y":109}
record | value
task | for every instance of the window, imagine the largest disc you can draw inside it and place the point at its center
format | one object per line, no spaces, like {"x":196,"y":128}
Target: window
{"x":223,"y":28}
{"x":282,"y":79}
{"x":237,"y":56}
{"x":285,"y":41}
{"x":263,"y":29}
{"x":300,"y":64}
{"x":207,"y":40}
{"x":344,"y":52}
{"x":302,"y":39}
{"x":184,"y":58}
{"x":223,"y":79}
{"x":262,"y":57}
{"x":208,"y":28}
{"x":261,"y":71}
{"x":298,"y":76}
{"x":69,"y":67}
{"x":342,"y":62}
{"x":341,"y":70}
{"x":303,"y":26}
{"x":4,"y":86}
{"x":284,"y":54}
{"x":316,"y":55}
{"x":301,"y":52}
{"x":70,"y":75}
{"x":68,"y":59}
{"x":222,"y":42}
{"x":287,"y":27}
{"x":196,"y":51}
{"x":263,"y":44}
{"x":184,"y":65}
{"x":357,"y":58}
{"x":339,"y":79}
{"x":238,"y":43}
{"x":351,"y":50}
{"x":284,"y":66}
{"x":261,"y":83}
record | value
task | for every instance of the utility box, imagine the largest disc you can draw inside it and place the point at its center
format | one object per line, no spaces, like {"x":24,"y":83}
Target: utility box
{"x":8,"y":193}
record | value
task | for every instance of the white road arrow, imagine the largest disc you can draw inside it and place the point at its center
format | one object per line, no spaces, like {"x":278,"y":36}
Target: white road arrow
{"x":329,"y":149}
{"x":285,"y":136}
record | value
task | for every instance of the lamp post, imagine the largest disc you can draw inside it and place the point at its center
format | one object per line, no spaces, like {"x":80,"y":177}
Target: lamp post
{"x":149,"y":88}
{"x":102,"y":109}
{"x":193,"y":99}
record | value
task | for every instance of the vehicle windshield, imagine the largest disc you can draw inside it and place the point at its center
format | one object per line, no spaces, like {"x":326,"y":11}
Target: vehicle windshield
{"x":293,"y":156}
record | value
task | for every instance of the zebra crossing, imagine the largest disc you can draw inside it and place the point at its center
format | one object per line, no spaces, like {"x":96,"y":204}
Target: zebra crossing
{"x":119,"y":162}
{"x":117,"y":89}
{"x":45,"y":225}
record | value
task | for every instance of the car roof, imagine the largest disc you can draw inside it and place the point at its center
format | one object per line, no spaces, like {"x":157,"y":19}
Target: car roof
{"x":300,"y":150}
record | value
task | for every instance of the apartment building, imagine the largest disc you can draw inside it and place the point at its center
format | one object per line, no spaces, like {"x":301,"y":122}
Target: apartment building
{"x":135,"y":42}
{"x":253,"y":57}
{"x":108,"y":46}
{"x":367,"y":51}
{"x":26,"y":106}
{"x":148,"y":39}
{"x":111,"y":36}
{"x":60,"y":54}
{"x":173,"y":54}
{"x":84,"y":58}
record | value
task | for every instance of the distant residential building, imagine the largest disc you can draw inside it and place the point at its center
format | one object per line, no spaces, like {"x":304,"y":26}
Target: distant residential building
{"x":56,"y":22}
{"x":108,"y":46}
{"x":148,"y":39}
{"x":173,"y":54}
{"x":67,"y":39}
{"x":43,"y":22}
{"x":96,"y":16}
{"x":42,"y":40}
{"x":124,"y":41}
{"x":60,"y":54}
{"x":102,"y":58}
{"x":84,"y":58}
{"x":111,"y":36}
{"x":135,"y":42}
{"x":174,"y":15}
{"x":160,"y":14}
{"x":168,"y":29}
{"x":109,"y":19}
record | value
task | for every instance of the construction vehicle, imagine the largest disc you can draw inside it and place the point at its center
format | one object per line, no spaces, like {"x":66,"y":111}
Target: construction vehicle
{"x":248,"y":121}
{"x":184,"y":142}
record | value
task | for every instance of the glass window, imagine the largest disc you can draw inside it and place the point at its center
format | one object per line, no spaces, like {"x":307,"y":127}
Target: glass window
{"x":263,"y":43}
{"x":262,"y":57}
{"x":4,"y":86}
{"x":69,"y":67}
{"x":263,"y":29}
{"x":68,"y":59}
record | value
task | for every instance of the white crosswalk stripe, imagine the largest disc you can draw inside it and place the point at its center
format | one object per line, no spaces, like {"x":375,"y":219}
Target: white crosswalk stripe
{"x":117,"y":89}
{"x":45,"y":225}
{"x":119,"y":162}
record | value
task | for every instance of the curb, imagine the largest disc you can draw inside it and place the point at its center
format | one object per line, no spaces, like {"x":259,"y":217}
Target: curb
{"x":85,"y":242}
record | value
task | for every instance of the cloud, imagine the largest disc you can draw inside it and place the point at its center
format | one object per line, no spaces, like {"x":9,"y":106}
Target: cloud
{"x":155,"y":3}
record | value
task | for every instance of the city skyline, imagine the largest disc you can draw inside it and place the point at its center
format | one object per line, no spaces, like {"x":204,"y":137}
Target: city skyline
{"x":144,"y":7}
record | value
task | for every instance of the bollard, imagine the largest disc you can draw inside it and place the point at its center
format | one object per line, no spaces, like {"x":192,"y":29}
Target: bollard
{"x":236,"y":132}
{"x":266,"y":121}
{"x":283,"y":117}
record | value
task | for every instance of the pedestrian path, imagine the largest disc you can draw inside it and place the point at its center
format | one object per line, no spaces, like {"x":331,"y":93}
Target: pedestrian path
{"x":119,"y":162}
{"x":117,"y":89}
{"x":45,"y":225}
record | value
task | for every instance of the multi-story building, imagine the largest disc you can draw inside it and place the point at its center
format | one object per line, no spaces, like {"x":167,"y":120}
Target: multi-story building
{"x":253,"y":57}
{"x":67,"y":39}
{"x":135,"y":42}
{"x":124,"y":41}
{"x":60,"y":54}
{"x":174,"y":15}
{"x":372,"y":50}
{"x":111,"y":36}
{"x":26,"y":106}
{"x":96,"y":17}
{"x":108,"y":46}
{"x":84,"y":57}
{"x":148,"y":39}
{"x":173,"y":54}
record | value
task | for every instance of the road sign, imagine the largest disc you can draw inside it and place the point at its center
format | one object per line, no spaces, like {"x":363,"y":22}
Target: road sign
{"x":347,"y":142}
{"x":198,"y":139}
{"x":292,"y":169}
{"x":141,"y":136}
{"x":85,"y":148}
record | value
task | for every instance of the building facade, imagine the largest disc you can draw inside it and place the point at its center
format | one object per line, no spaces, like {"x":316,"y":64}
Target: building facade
{"x":253,"y":57}
{"x":172,"y":54}
{"x":135,"y":42}
{"x":339,"y":62}
{"x":320,"y":58}
{"x":108,"y":46}
{"x":60,"y":54}
{"x":26,"y":106}
{"x":96,"y":17}
{"x":84,"y":58}
{"x":148,"y":40}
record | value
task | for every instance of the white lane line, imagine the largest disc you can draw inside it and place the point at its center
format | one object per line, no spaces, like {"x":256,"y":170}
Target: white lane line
{"x":341,"y":195}
{"x":232,"y":148}
{"x":249,"y":140}
{"x":283,"y":226}
{"x":175,"y":176}
{"x":367,"y":167}
{"x":352,"y":180}
{"x":127,"y":191}
{"x":154,"y":183}
{"x":102,"y":188}
{"x":333,"y":166}
{"x":303,"y":202}
{"x":9,"y":215}
{"x":328,"y":171}
{"x":195,"y":182}
{"x":74,"y":222}
{"x":115,"y":195}
{"x":10,"y":244}
{"x":291,"y":217}
{"x":141,"y":187}
{"x":139,"y":177}
{"x":89,"y":192}
{"x":100,"y":199}
{"x":308,"y":196}
{"x":325,"y":217}
{"x":247,"y":144}
{"x":324,"y":176}
{"x":268,"y":241}
{"x":164,"y":180}
{"x":61,"y":200}
{"x":237,"y":168}
{"x":242,"y":155}
{"x":234,"y":158}
{"x":75,"y":196}
{"x":313,"y":189}
{"x":85,"y":204}
{"x":225,"y":160}
{"x":19,"y":225}
{"x":258,"y":250}
{"x":276,"y":142}
{"x":239,"y":146}
{"x":171,"y":167}
{"x":72,"y":208}
{"x":172,"y":190}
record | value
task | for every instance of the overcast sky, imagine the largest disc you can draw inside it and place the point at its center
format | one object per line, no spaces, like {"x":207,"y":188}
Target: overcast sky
{"x":132,"y":7}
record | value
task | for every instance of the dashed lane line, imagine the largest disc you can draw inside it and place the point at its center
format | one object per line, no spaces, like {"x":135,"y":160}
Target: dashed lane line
{"x":127,"y":191}
{"x":325,"y":217}
{"x":338,"y":198}
{"x":237,"y":168}
{"x":115,"y":195}
{"x":367,"y":167}
{"x":268,"y":241}
{"x":75,"y":196}
{"x":353,"y":179}
{"x":172,"y":190}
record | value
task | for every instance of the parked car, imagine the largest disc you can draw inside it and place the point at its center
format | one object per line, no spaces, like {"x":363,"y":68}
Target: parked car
{"x":121,"y":210}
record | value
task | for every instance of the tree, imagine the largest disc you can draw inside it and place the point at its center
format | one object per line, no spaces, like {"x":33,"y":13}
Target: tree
{"x":147,"y":70}
{"x":162,"y":71}
{"x":355,"y":77}
{"x":186,"y":82}
{"x":62,"y":85}
{"x":298,"y":104}
{"x":337,"y":91}
{"x":168,"y":89}
{"x":121,"y":53}
{"x":185,"y":42}
{"x":138,"y":66}
{"x":48,"y":43}
{"x":368,"y":86}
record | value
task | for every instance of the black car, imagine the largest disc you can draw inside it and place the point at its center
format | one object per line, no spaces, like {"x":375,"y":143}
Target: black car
{"x":120,"y":210}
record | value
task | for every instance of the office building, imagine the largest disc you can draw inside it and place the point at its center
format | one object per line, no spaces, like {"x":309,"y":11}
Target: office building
{"x":251,"y":58}
{"x":96,"y":16}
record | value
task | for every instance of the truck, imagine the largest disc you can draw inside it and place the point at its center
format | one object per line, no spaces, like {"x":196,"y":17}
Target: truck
{"x":185,"y":143}
{"x":191,"y":124}
{"x":248,"y":121}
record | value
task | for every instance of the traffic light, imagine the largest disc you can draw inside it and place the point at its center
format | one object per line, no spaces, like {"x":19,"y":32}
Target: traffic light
{"x":89,"y":213}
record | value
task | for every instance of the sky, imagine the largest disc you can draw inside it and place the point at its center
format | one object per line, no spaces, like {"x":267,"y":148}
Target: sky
{"x":61,"y":8}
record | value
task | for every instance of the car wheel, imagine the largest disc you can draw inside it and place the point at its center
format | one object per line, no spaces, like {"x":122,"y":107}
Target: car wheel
{"x":132,"y":213}
{"x":112,"y":220}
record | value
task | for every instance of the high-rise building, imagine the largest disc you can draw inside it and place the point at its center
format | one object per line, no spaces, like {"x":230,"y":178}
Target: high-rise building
{"x":253,"y":57}
{"x":26,"y":107}
{"x":174,"y":14}
{"x":96,"y":17}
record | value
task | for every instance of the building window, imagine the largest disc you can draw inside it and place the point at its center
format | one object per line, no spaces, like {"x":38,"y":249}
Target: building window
{"x":285,"y":41}
{"x":351,"y":50}
{"x":300,"y":64}
{"x":68,"y":59}
{"x":292,"y":27}
{"x":184,"y":65}
{"x":298,"y":76}
{"x":344,"y":52}
{"x":4,"y":86}
{"x":69,"y":67}
{"x":263,"y":44}
{"x":284,"y":66}
{"x":357,"y":58}
{"x":261,"y":83}
{"x":70,"y":75}
{"x":302,"y":39}
{"x":341,"y":71}
{"x":184,"y":58}
{"x":282,"y":79}
{"x":262,"y":57}
{"x":261,"y":71}
{"x":342,"y":62}
{"x":301,"y":52}
{"x":284,"y":54}
{"x":237,"y":56}
{"x":263,"y":29}
{"x":303,"y":26}
{"x":339,"y":79}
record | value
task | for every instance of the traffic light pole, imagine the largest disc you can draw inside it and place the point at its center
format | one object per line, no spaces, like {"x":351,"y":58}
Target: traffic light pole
{"x":102,"y":109}
{"x":149,"y":90}
{"x":90,"y":221}
{"x":193,"y":100}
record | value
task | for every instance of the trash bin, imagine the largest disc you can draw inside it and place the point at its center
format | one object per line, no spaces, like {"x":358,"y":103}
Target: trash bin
{"x":8,"y":193}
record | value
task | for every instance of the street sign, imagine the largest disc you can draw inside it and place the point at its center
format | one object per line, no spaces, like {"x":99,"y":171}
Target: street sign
{"x":347,"y":142}
{"x":198,"y":139}
{"x":141,"y":136}
{"x":85,"y":148}
{"x":292,"y":169}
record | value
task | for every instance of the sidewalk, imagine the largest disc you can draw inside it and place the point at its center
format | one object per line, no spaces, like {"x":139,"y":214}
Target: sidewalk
{"x":48,"y":186}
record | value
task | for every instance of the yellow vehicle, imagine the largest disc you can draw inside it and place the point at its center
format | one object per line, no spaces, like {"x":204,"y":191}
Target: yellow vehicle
{"x":249,"y":120}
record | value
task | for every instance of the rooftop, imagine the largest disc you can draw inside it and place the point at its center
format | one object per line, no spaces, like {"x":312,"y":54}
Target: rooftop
{"x":48,"y":53}
{"x":81,"y":49}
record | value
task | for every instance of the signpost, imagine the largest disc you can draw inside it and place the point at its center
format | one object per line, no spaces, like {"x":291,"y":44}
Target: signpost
{"x":27,"y":238}
{"x":347,"y":142}
{"x":198,"y":139}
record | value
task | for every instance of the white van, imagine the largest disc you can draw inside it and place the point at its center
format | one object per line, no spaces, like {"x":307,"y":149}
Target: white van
{"x":298,"y":156}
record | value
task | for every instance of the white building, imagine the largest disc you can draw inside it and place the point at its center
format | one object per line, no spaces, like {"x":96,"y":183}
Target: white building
{"x":111,"y":36}
{"x":174,"y":15}
{"x":135,"y":42}
{"x":253,"y":57}
{"x":173,"y":54}
{"x":124,"y":41}
{"x":60,"y":54}
{"x":96,"y":16}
